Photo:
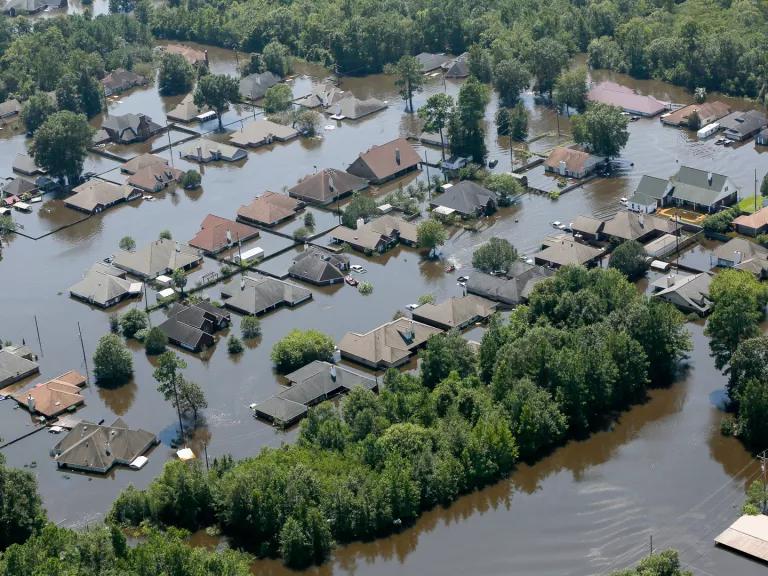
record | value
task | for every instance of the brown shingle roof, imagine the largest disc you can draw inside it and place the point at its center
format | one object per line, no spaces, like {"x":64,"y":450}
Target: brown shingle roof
{"x":55,"y":396}
{"x":380,"y":162}
{"x":388,"y":345}
{"x":326,"y":186}
{"x":154,"y":178}
{"x":269,"y":209}
{"x":142,"y":161}
{"x":575,"y":160}
{"x":708,"y":112}
{"x":756,"y":220}
{"x":216,"y":233}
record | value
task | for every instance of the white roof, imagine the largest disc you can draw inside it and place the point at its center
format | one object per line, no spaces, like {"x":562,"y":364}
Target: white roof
{"x":166,"y":293}
{"x":252,"y":252}
{"x":139,"y":462}
{"x":185,"y":454}
{"x":163,"y":279}
{"x":22,"y":206}
{"x":659,"y":265}
{"x":206,"y":115}
{"x":385,"y":207}
{"x":444,"y":210}
{"x":135,"y":287}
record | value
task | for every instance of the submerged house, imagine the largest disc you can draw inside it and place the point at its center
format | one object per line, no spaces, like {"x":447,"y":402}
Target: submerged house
{"x":91,"y":447}
{"x":205,"y":150}
{"x":740,"y":125}
{"x":349,"y":107}
{"x":458,"y":67}
{"x":752,"y":224}
{"x":689,"y":293}
{"x":626,"y":225}
{"x":128,"y":128}
{"x":429,"y":61}
{"x":10,"y":108}
{"x":258,"y":295}
{"x":455,"y":313}
{"x":186,"y":111}
{"x":161,"y":256}
{"x":255,"y":86}
{"x":701,"y":190}
{"x":327,"y":186}
{"x":378,"y":235}
{"x":16,"y":363}
{"x":120,"y":80}
{"x":742,"y":254}
{"x":467,"y":199}
{"x":650,"y":194}
{"x":155,"y":178}
{"x":509,"y":290}
{"x":572,"y":163}
{"x":387,"y":346}
{"x":386,"y":162}
{"x":626,"y":99}
{"x":95,"y":196}
{"x":262,"y":132}
{"x":320,"y":267}
{"x":217,"y":234}
{"x":568,"y":253}
{"x":708,"y":112}
{"x":322,"y":96}
{"x":58,"y":395}
{"x":193,"y":327}
{"x":105,"y":286}
{"x":269,"y":209}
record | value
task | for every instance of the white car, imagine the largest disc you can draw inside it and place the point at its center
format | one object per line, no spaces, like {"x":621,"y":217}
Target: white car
{"x":557,"y":223}
{"x":412,"y":306}
{"x":357,"y":268}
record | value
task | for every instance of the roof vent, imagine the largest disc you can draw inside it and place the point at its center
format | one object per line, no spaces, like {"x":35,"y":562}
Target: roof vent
{"x":709,"y":178}
{"x":397,"y":156}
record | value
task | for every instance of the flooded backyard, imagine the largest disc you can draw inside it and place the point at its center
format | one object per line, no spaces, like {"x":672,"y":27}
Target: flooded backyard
{"x":662,"y":470}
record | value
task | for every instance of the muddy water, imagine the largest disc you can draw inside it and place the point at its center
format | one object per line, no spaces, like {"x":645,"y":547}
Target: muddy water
{"x":589,"y":505}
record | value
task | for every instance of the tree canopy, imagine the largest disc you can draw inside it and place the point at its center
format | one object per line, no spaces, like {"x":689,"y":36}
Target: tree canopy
{"x":60,"y":144}
{"x":602,"y":128}
{"x":300,"y":347}
{"x":216,"y":91}
{"x":113,"y":363}
{"x":176,"y":75}
{"x":629,"y":258}
{"x":495,"y":255}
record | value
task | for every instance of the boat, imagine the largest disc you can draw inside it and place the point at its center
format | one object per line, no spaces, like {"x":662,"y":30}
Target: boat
{"x":450,"y":268}
{"x":492,"y":164}
{"x":351,"y":281}
{"x":557,"y":224}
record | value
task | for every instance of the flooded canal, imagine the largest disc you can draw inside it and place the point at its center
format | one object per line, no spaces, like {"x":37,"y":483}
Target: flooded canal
{"x":663,"y":470}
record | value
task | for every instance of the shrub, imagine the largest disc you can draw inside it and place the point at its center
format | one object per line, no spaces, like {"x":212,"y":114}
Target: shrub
{"x":300,"y":347}
{"x":234,"y":345}
{"x":250,"y":327}
{"x":112,"y":360}
{"x":155,"y":341}
{"x":365,"y":288}
{"x":133,"y":321}
{"x":190,"y":179}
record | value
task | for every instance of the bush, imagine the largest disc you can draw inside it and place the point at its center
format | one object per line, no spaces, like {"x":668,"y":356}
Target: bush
{"x":127,"y":243}
{"x":155,"y":341}
{"x":113,"y":363}
{"x":133,"y":321}
{"x":426,"y":299}
{"x":365,"y":288}
{"x":300,"y":347}
{"x":630,"y":259}
{"x":302,"y":234}
{"x":720,"y":222}
{"x":165,"y":235}
{"x":190,"y":179}
{"x":250,"y":327}
{"x":234,"y":345}
{"x":495,"y":255}
{"x":141,"y":335}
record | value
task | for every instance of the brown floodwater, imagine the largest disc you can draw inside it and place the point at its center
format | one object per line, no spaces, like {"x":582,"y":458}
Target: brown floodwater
{"x":663,"y":469}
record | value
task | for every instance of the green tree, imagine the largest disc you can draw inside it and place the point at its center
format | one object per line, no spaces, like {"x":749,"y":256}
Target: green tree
{"x":547,"y":58}
{"x":495,"y":255}
{"x":739,"y":301}
{"x":720,"y":222}
{"x":435,"y":114}
{"x":277,"y":98}
{"x":307,"y":122}
{"x":510,"y":78}
{"x":694,"y":120}
{"x":176,"y":75}
{"x":446,"y":353}
{"x":764,"y":186}
{"x":506,"y":186}
{"x":666,"y":563}
{"x":629,"y":258}
{"x":22,"y":514}
{"x":7,"y":226}
{"x":190,"y":180}
{"x":133,"y":321}
{"x":570,"y":89}
{"x":165,"y":235}
{"x":361,"y":206}
{"x":277,"y":59}
{"x":36,"y":110}
{"x":250,"y":327}
{"x":749,"y":362}
{"x":155,"y":341}
{"x":753,"y":413}
{"x":169,"y":381}
{"x":481,"y":63}
{"x":430,"y":234}
{"x":179,"y":278}
{"x":60,"y":145}
{"x":603,"y":128}
{"x":191,"y":398}
{"x":113,"y":363}
{"x":127,"y":243}
{"x":234,"y":345}
{"x":300,"y":347}
{"x":409,"y":78}
{"x":216,"y":91}
{"x":309,"y":220}
{"x":426,"y":299}
{"x":518,"y":122}
{"x":466,"y":126}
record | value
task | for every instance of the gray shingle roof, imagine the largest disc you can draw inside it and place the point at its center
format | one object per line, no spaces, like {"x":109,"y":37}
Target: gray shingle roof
{"x":692,"y":185}
{"x":522,"y":278}
{"x":14,"y":367}
{"x":466,"y":198}
{"x":257,"y":295}
{"x":326,"y":186}
{"x":254,"y":86}
{"x":315,"y":269}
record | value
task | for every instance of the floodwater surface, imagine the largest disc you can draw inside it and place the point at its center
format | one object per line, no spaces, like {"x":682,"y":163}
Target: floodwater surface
{"x":662,"y":470}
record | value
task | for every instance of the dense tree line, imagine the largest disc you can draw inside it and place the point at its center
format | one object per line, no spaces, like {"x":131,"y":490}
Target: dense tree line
{"x":691,"y":43}
{"x":587,"y":346}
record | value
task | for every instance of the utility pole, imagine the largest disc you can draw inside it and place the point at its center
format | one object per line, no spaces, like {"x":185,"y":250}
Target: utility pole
{"x":764,"y":469}
{"x":205,"y":449}
{"x":651,"y":554}
{"x":755,"y":189}
{"x":170,"y":144}
{"x":178,"y":407}
{"x":85,"y":360}
{"x":39,"y":341}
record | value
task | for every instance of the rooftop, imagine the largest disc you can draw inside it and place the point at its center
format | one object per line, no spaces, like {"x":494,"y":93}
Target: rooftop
{"x":157,"y":258}
{"x":466,"y":198}
{"x":54,"y":397}
{"x":258,"y":132}
{"x":269,"y":209}
{"x":390,"y":344}
{"x":386,"y":160}
{"x":257,"y":295}
{"x":455,"y":312}
{"x":625,"y":98}
{"x":326,"y":185}
{"x":217,"y":233}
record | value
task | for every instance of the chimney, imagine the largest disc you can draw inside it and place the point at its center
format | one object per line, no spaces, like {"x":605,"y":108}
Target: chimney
{"x":709,"y":178}
{"x":206,"y":57}
{"x":670,"y":280}
{"x":333,"y":372}
{"x":641,"y":220}
{"x":30,"y":403}
{"x":199,"y":154}
{"x":397,"y":156}
{"x":562,"y":169}
{"x":107,"y":449}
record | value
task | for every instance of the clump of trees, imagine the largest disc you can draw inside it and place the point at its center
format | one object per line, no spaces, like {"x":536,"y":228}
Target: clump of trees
{"x":60,"y":144}
{"x":666,"y":563}
{"x":720,"y":222}
{"x":250,"y":327}
{"x":587,"y":346}
{"x":113,"y":363}
{"x":361,"y":206}
{"x":466,"y":126}
{"x":216,"y":91}
{"x":176,"y":75}
{"x":495,"y":255}
{"x":408,"y":78}
{"x":602,"y":129}
{"x":300,"y":347}
{"x":277,"y":98}
{"x":430,"y":234}
{"x":630,"y":259}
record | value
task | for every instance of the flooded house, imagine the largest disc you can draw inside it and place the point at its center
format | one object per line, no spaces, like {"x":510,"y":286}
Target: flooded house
{"x":572,"y":163}
{"x":104,"y":286}
{"x":327,"y":186}
{"x":430,"y":61}
{"x":626,"y":99}
{"x":626,"y":225}
{"x":386,"y":161}
{"x":95,"y":196}
{"x":186,"y":111}
{"x":322,"y":96}
{"x":217,"y":234}
{"x":269,"y":209}
{"x":24,"y":164}
{"x":91,"y":447}
{"x":143,"y":161}
{"x":752,"y":224}
{"x":458,"y":312}
{"x":129,"y":128}
{"x":154,"y":178}
{"x":566,"y":252}
{"x":205,"y":150}
{"x":54,"y":397}
{"x":314,"y":383}
{"x":708,"y":112}
{"x":255,"y":296}
{"x":458,"y":67}
{"x":193,"y":327}
{"x":386,"y":346}
{"x":511,"y":289}
{"x":649,"y":195}
{"x":120,"y":80}
{"x":349,"y":107}
{"x":161,"y":256}
{"x":740,"y":125}
{"x":742,"y":254}
{"x":319,"y":267}
{"x":701,"y":190}
{"x":688,"y":292}
{"x":378,"y":235}
{"x":16,"y":363}
{"x":192,"y":55}
{"x":467,"y":199}
{"x":254,"y":86}
{"x":10,"y":108}
{"x":261,"y":132}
